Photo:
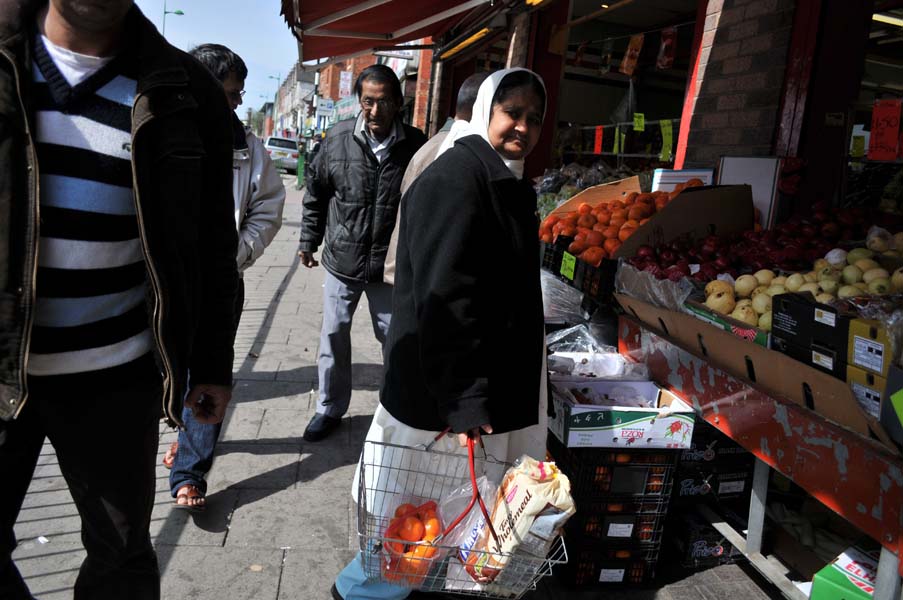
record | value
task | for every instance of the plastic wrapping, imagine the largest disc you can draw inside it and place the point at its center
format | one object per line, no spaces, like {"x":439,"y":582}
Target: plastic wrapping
{"x":577,"y":339}
{"x":644,"y":286}
{"x":560,"y":301}
{"x":880,"y":240}
{"x":551,"y":182}
{"x":596,"y":365}
{"x":410,"y":562}
{"x":466,"y":535}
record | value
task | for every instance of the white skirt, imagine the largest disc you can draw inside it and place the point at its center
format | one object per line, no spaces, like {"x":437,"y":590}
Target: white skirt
{"x":386,"y":429}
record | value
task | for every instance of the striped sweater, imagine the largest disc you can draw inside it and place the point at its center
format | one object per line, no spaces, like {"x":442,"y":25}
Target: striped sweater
{"x":91,"y":311}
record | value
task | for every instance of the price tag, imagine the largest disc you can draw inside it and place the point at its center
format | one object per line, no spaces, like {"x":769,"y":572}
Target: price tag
{"x":885,"y":134}
{"x":568,"y":262}
{"x":667,"y":135}
{"x":620,"y":530}
{"x":639,"y":122}
{"x":858,"y":148}
{"x":597,"y":144}
{"x":617,"y":147}
{"x":611,"y":575}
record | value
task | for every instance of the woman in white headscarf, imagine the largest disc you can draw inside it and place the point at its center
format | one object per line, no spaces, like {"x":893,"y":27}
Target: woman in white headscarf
{"x":465,"y":349}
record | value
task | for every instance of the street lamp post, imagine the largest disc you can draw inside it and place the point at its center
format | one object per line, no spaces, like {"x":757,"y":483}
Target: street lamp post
{"x":168,"y":12}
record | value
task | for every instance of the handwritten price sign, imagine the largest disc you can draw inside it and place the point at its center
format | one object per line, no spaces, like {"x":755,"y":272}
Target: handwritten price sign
{"x":885,"y":137}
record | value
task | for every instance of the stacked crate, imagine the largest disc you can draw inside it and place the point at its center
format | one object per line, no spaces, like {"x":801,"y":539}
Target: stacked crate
{"x":622,"y":499}
{"x":717,"y":472}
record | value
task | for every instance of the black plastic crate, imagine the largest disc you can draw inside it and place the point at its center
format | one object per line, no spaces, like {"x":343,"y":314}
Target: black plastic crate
{"x":551,"y":257}
{"x":698,"y":544}
{"x":597,"y":282}
{"x":710,"y":446}
{"x":712,"y":483}
{"x":599,"y":473}
{"x":590,"y":564}
{"x":619,"y":522}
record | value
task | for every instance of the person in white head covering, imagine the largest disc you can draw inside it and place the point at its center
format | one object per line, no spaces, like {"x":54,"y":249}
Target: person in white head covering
{"x":464,"y":353}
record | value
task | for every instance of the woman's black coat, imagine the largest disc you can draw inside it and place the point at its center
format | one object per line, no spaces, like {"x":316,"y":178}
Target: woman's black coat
{"x":465,"y":344}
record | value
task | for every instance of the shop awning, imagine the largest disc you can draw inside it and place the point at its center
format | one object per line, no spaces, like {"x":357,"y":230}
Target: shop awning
{"x":334,"y":28}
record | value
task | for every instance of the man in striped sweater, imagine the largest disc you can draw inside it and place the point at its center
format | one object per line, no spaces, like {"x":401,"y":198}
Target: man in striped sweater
{"x":117,"y":269}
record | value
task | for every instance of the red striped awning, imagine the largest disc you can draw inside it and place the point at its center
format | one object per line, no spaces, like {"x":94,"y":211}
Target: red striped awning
{"x":333,"y":28}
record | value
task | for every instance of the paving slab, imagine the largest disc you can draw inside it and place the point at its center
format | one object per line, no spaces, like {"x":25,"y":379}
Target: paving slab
{"x":310,"y":573}
{"x":242,"y":465}
{"x":304,"y":517}
{"x":49,"y":569}
{"x":202,"y":573}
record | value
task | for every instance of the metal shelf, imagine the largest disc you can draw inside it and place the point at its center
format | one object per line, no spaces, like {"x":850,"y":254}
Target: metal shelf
{"x":859,"y":479}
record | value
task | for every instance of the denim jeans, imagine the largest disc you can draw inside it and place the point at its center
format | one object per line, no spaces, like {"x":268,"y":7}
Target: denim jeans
{"x":340,"y":300}
{"x":352,"y":584}
{"x":197,"y":442}
{"x":105,"y":438}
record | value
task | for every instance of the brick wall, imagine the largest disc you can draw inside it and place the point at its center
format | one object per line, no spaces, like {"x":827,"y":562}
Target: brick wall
{"x":424,"y":70}
{"x":329,"y":81}
{"x":740,"y":78}
{"x":358,"y":64}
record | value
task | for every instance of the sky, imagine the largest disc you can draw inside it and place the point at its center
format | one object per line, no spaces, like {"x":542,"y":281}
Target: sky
{"x":254,"y":30}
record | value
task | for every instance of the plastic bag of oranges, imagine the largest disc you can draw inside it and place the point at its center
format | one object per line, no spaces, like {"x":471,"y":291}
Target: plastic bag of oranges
{"x":409,"y":549}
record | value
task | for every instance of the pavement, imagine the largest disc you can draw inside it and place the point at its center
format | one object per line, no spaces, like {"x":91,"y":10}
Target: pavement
{"x":279,"y":523}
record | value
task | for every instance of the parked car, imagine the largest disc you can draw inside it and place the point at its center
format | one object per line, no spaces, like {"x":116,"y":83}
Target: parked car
{"x":284,"y":152}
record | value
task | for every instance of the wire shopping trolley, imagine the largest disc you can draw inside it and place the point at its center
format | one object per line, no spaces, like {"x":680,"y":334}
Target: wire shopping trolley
{"x":418,"y":478}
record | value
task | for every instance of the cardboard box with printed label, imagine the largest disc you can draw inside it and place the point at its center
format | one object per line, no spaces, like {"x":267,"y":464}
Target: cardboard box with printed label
{"x":868,"y":389}
{"x":801,"y":321}
{"x":824,"y":358}
{"x":667,"y":424}
{"x":771,"y":372}
{"x":869,"y":346}
{"x":739,"y":329}
{"x":851,"y":576}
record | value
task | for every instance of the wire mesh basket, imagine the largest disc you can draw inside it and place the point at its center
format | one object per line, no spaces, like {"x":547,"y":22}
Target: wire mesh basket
{"x":390,"y":476}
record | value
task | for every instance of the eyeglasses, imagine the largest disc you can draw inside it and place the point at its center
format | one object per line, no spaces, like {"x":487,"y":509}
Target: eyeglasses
{"x":383,"y":104}
{"x":237,"y":96}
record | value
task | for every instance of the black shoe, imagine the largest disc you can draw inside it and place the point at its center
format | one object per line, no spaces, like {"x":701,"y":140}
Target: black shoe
{"x":320,"y":427}
{"x":335,"y":593}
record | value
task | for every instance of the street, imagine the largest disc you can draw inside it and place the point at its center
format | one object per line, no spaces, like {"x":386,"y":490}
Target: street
{"x":279,"y":523}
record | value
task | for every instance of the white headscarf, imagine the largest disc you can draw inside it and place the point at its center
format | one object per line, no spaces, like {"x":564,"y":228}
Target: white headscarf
{"x":482,"y":112}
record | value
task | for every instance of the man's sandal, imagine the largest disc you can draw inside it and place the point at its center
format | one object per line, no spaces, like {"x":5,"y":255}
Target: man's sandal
{"x":189,"y":497}
{"x":170,"y":457}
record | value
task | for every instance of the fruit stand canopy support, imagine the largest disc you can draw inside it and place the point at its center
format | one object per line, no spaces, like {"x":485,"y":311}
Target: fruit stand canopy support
{"x":334,"y":28}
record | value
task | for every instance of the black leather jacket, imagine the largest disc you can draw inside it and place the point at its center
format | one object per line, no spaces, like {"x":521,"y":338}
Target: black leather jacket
{"x":182,"y":175}
{"x":352,"y":199}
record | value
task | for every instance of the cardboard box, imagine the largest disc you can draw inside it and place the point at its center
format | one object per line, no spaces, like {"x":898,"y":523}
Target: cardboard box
{"x":668,"y":425}
{"x":824,"y":358}
{"x":801,"y":321}
{"x":737,"y":328}
{"x":868,"y":389}
{"x":771,"y":372}
{"x":851,"y":576}
{"x":869,"y":346}
{"x":598,"y":194}
{"x":697,"y":212}
{"x":664,"y":180}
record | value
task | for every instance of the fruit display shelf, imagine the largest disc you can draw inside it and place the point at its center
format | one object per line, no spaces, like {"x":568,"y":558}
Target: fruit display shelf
{"x":858,"y":478}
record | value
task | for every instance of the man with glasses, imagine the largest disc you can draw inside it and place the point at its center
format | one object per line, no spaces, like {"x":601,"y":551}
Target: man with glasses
{"x":353,"y":192}
{"x":259,"y":195}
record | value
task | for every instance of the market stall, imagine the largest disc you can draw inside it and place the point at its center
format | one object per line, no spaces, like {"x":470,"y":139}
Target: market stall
{"x":785,"y":345}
